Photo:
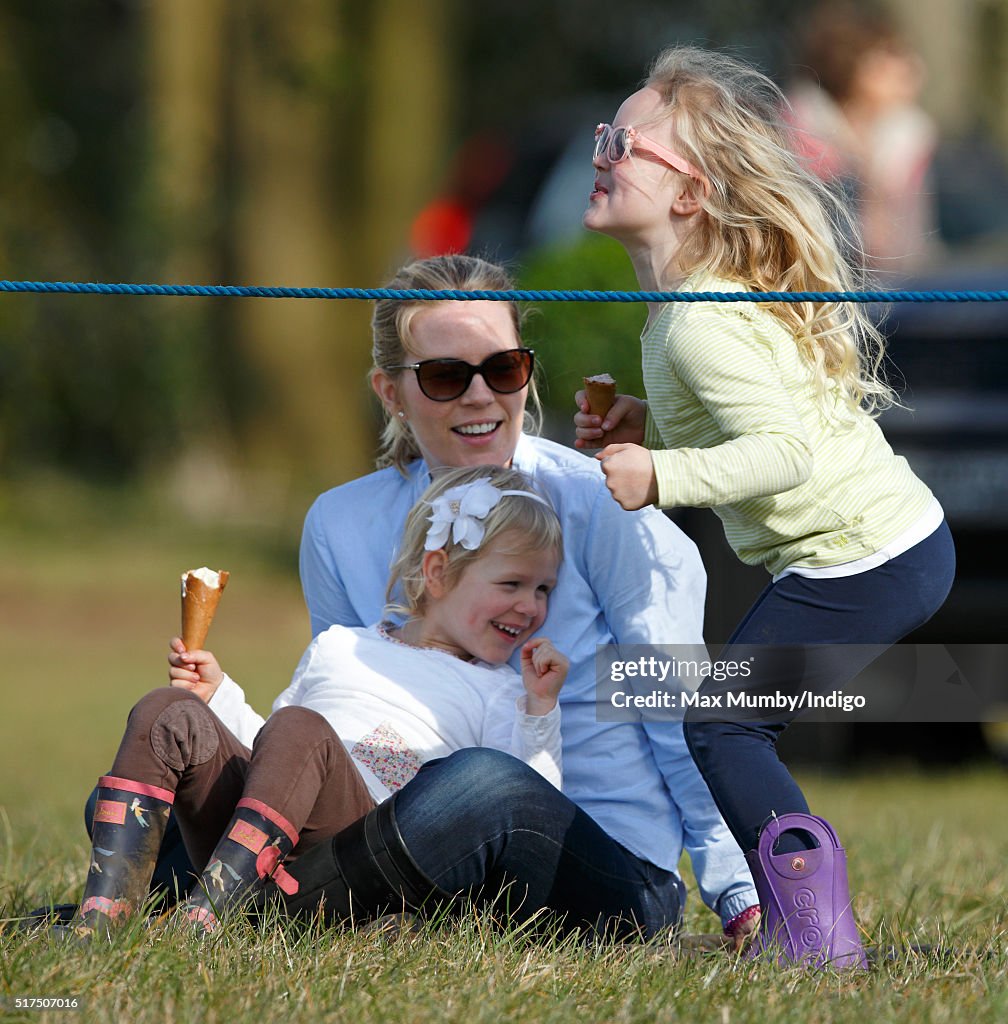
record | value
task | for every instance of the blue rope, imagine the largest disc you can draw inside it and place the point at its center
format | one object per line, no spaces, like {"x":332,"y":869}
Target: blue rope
{"x":515,"y":295}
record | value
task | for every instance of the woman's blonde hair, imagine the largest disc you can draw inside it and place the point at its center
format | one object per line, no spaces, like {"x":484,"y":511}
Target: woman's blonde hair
{"x":771,"y":224}
{"x":390,"y":331}
{"x":533,"y":522}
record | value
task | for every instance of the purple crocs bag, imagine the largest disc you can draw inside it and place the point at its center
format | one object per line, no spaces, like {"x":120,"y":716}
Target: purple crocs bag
{"x":805,"y":898}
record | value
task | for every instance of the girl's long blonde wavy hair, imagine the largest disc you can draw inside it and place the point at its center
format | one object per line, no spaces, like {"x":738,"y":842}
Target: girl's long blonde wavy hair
{"x":770,"y":223}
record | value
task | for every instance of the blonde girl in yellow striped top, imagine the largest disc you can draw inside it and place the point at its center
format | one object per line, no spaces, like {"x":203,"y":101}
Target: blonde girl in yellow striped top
{"x":764,"y":413}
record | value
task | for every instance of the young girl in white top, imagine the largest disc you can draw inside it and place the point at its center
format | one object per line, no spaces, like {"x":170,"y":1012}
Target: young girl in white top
{"x":762,"y":412}
{"x":365,"y":710}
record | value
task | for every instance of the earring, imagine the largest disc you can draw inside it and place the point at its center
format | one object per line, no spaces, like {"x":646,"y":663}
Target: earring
{"x":401,"y":414}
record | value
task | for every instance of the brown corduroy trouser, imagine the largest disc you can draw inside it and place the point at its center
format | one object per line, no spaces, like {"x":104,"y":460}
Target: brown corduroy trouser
{"x":297,"y":766}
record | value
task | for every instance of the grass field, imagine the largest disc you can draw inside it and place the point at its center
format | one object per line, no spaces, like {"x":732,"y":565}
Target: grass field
{"x":84,"y":619}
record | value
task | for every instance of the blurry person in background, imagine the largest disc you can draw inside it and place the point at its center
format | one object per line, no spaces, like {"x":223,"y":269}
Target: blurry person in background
{"x":857,"y":121}
{"x":445,"y":224}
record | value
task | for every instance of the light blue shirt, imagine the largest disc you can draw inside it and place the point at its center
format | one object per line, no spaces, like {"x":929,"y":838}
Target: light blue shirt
{"x":629,"y":578}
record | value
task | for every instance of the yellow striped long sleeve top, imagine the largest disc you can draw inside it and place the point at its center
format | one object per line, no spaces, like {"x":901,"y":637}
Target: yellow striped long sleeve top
{"x":735,"y":424}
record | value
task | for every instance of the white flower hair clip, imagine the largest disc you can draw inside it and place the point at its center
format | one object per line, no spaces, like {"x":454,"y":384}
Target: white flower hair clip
{"x":460,"y":511}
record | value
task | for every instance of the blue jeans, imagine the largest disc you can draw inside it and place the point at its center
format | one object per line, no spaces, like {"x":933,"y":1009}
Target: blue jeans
{"x":738,"y":760}
{"x":483,"y":823}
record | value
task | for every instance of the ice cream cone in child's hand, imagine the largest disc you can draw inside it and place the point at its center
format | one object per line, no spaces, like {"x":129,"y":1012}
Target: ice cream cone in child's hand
{"x":600,"y":391}
{"x":201,"y":593}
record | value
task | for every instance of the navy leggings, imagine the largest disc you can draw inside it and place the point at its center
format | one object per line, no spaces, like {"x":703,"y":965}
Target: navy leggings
{"x":739,"y":759}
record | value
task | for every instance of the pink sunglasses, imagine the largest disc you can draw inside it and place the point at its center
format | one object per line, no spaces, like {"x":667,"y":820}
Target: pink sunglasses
{"x":617,"y":144}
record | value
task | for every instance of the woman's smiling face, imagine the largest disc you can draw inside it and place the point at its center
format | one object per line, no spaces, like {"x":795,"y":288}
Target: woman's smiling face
{"x":479,"y":428}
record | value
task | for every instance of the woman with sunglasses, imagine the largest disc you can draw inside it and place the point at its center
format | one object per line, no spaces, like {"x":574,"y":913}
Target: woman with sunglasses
{"x":456,"y":385}
{"x":765,"y":414}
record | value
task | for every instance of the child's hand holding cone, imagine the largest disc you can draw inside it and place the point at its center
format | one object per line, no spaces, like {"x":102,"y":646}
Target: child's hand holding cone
{"x":604,"y":418}
{"x":190,"y":666}
{"x":600,"y":391}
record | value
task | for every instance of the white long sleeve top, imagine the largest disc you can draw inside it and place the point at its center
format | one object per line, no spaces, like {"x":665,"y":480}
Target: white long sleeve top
{"x":395,"y":706}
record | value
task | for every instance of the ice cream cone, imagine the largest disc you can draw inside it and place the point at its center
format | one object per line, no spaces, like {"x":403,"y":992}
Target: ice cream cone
{"x":201,"y":593}
{"x":600,"y":391}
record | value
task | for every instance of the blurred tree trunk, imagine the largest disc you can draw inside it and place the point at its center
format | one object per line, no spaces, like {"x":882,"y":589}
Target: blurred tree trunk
{"x":187,"y":41}
{"x":304,"y":419}
{"x":409,"y":110}
{"x":296,"y":143}
{"x":186,"y":78}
